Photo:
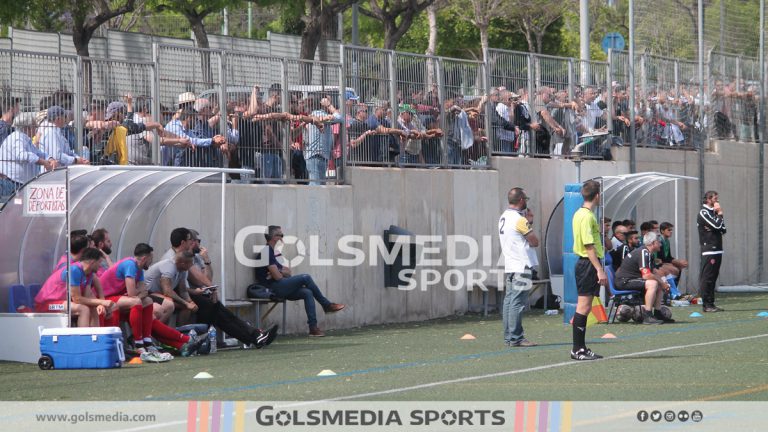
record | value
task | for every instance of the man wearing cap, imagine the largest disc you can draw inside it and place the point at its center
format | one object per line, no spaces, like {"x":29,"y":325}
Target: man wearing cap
{"x":53,"y":142}
{"x":181,"y":126}
{"x":9,"y":108}
{"x":505,"y":135}
{"x":117,"y":146}
{"x":19,"y":158}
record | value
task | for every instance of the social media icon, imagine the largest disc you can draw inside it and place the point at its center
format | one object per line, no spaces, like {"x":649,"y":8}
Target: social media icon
{"x":642,"y":416}
{"x":669,"y":416}
{"x":697,"y":416}
{"x":683,"y":416}
{"x":656,"y":416}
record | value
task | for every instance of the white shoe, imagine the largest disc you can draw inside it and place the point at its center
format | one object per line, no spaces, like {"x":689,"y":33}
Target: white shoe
{"x":148,"y":356}
{"x":164,"y":355}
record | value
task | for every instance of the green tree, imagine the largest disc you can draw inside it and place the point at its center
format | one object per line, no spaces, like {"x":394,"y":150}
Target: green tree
{"x":195,"y":11}
{"x":396,"y":15}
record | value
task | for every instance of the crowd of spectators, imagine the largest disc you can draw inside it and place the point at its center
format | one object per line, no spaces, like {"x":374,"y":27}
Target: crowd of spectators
{"x":303,"y":140}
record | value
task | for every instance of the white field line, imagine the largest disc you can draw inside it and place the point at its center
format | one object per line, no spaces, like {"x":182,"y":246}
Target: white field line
{"x":471,"y":378}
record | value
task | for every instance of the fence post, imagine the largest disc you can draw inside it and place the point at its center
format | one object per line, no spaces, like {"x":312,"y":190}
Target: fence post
{"x":738,"y":73}
{"x":609,"y":90}
{"x":531,"y":76}
{"x":156,"y":160}
{"x":677,"y":78}
{"x":489,"y":133}
{"x":441,"y":97}
{"x":571,"y":84}
{"x":223,"y":100}
{"x":340,"y":170}
{"x":287,"y":151}
{"x":78,"y":104}
{"x":393,"y":100}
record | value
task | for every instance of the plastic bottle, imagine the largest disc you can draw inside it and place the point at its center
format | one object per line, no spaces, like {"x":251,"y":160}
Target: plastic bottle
{"x":551,"y":312}
{"x":212,"y":339}
{"x":86,"y":153}
{"x":192,"y":335}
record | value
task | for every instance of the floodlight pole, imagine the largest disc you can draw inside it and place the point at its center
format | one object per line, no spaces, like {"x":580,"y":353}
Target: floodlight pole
{"x":760,"y":145}
{"x":631,"y":68}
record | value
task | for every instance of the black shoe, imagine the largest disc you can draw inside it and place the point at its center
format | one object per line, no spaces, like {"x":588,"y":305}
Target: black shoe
{"x":659,"y":316}
{"x":190,"y":348}
{"x":648,"y":319}
{"x":271,"y":335}
{"x":713,"y":308}
{"x":584,"y":354}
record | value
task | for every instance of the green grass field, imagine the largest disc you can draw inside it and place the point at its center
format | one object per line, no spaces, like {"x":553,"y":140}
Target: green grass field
{"x":716,"y":357}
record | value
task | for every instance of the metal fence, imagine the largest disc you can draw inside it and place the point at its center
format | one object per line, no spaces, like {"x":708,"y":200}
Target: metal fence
{"x":551,"y":103}
{"x":105,"y":82}
{"x":734,"y":90}
{"x":34,"y":82}
{"x":293,"y":120}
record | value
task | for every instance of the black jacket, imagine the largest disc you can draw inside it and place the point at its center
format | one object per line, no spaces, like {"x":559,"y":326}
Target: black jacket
{"x":711,"y":230}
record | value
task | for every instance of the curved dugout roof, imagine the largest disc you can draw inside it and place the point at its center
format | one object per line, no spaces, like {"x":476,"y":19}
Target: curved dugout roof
{"x":126,"y":200}
{"x":620,"y":195}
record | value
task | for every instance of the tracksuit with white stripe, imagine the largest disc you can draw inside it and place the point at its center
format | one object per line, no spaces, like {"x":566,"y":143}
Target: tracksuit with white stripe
{"x":711,"y":229}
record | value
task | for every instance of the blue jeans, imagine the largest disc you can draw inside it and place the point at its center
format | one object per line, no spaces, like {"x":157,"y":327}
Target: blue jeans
{"x":407,"y":158}
{"x":271,"y":166}
{"x":301,"y":287}
{"x":454,"y":154}
{"x":7,"y":188}
{"x":515,"y":300}
{"x":316,"y":167}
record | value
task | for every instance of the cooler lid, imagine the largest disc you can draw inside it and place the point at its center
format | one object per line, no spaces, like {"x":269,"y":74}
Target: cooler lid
{"x":62,"y":331}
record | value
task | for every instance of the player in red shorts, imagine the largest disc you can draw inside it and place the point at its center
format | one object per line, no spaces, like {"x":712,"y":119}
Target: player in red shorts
{"x":123,"y":283}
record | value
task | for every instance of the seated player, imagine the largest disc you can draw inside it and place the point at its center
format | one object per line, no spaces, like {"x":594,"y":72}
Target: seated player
{"x":52,"y":297}
{"x":631,"y":243}
{"x":636,"y":274}
{"x":669,"y":265}
{"x":78,"y":241}
{"x":124,"y":284}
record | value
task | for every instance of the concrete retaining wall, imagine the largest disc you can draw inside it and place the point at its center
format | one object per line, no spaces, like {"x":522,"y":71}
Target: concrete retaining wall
{"x":445,"y":202}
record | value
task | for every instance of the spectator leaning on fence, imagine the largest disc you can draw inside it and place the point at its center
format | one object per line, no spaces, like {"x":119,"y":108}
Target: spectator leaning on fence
{"x":52,"y":140}
{"x":318,"y":139}
{"x":117,"y":146}
{"x":9,"y":108}
{"x":409,"y":123}
{"x":20,"y":160}
{"x":181,"y":127}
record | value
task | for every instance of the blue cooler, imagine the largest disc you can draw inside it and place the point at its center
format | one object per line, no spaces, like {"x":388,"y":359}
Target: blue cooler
{"x":81,"y":348}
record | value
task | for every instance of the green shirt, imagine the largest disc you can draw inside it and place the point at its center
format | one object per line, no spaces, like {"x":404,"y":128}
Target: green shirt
{"x":585,"y":232}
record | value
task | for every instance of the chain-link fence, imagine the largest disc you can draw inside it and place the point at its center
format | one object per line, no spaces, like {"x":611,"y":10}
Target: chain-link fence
{"x":734,"y":83}
{"x":293,"y":120}
{"x":32,"y":85}
{"x":111,"y":132}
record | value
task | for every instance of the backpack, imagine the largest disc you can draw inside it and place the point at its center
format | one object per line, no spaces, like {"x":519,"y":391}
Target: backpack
{"x":257,"y":291}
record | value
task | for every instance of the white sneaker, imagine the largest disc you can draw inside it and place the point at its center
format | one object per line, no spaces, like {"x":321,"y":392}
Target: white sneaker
{"x":164,"y":355}
{"x":148,"y":356}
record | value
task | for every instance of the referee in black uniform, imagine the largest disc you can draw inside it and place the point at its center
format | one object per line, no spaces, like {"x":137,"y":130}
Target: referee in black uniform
{"x":711,"y":229}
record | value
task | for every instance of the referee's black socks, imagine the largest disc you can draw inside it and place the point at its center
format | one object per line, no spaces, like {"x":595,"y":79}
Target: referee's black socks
{"x":579,"y":331}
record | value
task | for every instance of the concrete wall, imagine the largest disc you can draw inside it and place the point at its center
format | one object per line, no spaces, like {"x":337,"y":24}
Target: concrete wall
{"x":445,"y":202}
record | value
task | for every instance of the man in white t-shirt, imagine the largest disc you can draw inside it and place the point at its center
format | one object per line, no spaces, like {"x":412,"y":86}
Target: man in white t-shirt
{"x":517,"y":242}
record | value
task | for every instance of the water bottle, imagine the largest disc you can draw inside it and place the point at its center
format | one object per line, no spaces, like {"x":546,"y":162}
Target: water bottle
{"x":212,"y":339}
{"x":86,"y":153}
{"x":192,"y":335}
{"x":551,"y":312}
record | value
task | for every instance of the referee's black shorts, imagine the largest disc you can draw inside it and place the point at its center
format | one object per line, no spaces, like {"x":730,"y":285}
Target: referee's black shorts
{"x":586,"y":278}
{"x":624,"y":284}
